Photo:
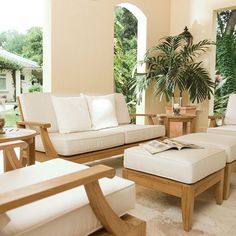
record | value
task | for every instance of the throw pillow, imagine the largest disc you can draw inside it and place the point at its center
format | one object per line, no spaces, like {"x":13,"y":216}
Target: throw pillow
{"x":102,"y":111}
{"x":72,"y":114}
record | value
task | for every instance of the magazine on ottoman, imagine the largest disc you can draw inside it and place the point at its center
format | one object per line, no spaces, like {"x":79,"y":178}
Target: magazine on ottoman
{"x":156,"y":146}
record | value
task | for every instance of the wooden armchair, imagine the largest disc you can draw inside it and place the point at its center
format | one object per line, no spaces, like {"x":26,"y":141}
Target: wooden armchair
{"x":113,"y":225}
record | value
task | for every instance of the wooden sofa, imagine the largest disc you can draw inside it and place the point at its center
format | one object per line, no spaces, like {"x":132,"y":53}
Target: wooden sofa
{"x":38,"y":111}
{"x":55,"y":203}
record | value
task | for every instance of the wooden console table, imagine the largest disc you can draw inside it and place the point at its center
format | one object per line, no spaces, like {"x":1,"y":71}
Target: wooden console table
{"x":166,"y":119}
{"x":13,"y":134}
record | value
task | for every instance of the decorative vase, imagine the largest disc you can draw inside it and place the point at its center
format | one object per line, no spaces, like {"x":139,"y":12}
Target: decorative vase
{"x":176,"y":105}
{"x":2,"y":123}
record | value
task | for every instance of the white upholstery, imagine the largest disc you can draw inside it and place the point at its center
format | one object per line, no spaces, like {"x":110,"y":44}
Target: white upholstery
{"x":230,"y":115}
{"x":67,"y":213}
{"x":72,"y":114}
{"x":225,"y":142}
{"x":82,"y":142}
{"x":135,"y":133}
{"x":122,"y":112}
{"x":225,"y":130}
{"x":38,"y":107}
{"x":102,"y":111}
{"x":187,"y":165}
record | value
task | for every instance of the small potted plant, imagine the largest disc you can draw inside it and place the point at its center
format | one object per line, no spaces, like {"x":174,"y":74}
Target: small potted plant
{"x":175,"y":67}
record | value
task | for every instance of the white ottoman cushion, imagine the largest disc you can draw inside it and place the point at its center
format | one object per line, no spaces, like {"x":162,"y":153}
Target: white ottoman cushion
{"x":66,"y":213}
{"x":225,"y":142}
{"x":187,"y":165}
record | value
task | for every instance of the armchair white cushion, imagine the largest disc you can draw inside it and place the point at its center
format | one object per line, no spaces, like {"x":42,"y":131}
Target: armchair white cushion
{"x":72,"y":114}
{"x":102,"y":111}
{"x":230,"y":115}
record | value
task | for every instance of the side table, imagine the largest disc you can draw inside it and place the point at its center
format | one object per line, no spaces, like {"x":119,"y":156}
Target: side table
{"x":166,"y":119}
{"x":27,"y":135}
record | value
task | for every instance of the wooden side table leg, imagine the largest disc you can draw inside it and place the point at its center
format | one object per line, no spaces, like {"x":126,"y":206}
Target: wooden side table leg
{"x":192,"y":126}
{"x":185,"y":126}
{"x":31,"y":158}
{"x":6,"y":162}
{"x":167,"y":127}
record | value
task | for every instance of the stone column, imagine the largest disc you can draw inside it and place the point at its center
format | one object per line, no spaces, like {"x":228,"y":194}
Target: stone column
{"x":18,"y":83}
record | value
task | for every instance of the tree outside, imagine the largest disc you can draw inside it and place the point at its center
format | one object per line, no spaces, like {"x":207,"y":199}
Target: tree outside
{"x":225,"y":79}
{"x":125,"y":54}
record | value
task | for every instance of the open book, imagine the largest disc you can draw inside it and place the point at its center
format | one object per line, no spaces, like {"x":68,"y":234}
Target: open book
{"x":161,"y":146}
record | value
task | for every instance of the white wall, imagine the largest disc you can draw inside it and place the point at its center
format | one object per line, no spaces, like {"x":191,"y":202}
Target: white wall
{"x":81,"y":41}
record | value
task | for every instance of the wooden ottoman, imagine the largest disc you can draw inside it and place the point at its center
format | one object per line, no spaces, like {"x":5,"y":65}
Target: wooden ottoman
{"x":225,"y":142}
{"x":185,"y":173}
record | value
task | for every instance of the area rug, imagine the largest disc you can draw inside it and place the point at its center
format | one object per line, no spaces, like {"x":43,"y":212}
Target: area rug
{"x":162,"y":212}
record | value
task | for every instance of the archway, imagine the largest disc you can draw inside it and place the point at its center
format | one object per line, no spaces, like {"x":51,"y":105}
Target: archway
{"x":141,"y":37}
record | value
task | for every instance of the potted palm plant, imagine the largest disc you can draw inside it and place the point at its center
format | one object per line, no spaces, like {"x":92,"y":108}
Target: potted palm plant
{"x":174,"y":67}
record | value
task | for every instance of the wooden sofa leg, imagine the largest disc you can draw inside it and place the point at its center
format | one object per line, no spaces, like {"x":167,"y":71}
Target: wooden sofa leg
{"x":220,"y":188}
{"x":187,"y":205}
{"x":228,"y":171}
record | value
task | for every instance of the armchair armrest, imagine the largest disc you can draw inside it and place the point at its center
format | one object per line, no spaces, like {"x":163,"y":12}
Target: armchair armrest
{"x":89,"y":178}
{"x":213,"y":119}
{"x":34,"y":192}
{"x":42,"y":126}
{"x":150,"y":117}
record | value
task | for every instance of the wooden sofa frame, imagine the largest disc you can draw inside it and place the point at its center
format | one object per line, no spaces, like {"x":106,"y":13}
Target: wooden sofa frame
{"x":113,"y":225}
{"x":51,"y":153}
{"x":187,"y":192}
{"x":230,"y":167}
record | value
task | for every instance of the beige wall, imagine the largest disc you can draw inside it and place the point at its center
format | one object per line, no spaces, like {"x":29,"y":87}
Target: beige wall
{"x":81,"y":42}
{"x":200,"y":17}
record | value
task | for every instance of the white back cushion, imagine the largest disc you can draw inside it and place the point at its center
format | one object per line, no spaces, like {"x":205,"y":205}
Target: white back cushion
{"x":122,"y":112}
{"x":102,"y":111}
{"x":230,"y":115}
{"x":72,"y":114}
{"x":38,"y":107}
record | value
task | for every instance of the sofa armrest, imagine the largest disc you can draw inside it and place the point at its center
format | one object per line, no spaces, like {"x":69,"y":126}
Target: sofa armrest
{"x":23,"y":124}
{"x":150,"y":117}
{"x":213,"y":119}
{"x":47,"y":144}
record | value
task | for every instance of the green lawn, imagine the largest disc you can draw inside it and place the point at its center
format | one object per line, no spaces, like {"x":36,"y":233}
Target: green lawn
{"x":11,"y":117}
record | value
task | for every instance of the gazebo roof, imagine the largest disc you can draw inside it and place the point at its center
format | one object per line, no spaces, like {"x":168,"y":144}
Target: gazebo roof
{"x":25,"y":63}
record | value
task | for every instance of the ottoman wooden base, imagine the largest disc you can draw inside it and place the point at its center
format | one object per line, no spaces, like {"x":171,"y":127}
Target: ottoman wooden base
{"x":187,"y":192}
{"x":229,"y":169}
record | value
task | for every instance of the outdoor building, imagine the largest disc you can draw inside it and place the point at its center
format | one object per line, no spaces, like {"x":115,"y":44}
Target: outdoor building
{"x":22,"y":78}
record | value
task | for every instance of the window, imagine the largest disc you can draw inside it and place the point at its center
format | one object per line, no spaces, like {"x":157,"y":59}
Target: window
{"x":3,"y":82}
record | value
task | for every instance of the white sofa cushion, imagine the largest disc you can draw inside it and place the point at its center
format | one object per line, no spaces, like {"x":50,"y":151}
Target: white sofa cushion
{"x":230,"y":115}
{"x":66,"y":213}
{"x":122,"y":112}
{"x":136,"y":133}
{"x":82,"y":142}
{"x":102,"y":111}
{"x":225,"y":142}
{"x":186,"y":166}
{"x":38,"y":107}
{"x":72,"y":114}
{"x":225,"y":130}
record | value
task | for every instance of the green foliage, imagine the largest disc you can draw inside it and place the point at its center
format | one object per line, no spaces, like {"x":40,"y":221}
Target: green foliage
{"x":125,"y":53}
{"x":8,"y":64}
{"x":35,"y":88}
{"x":29,"y":45}
{"x":225,"y":60}
{"x":172,"y":65}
